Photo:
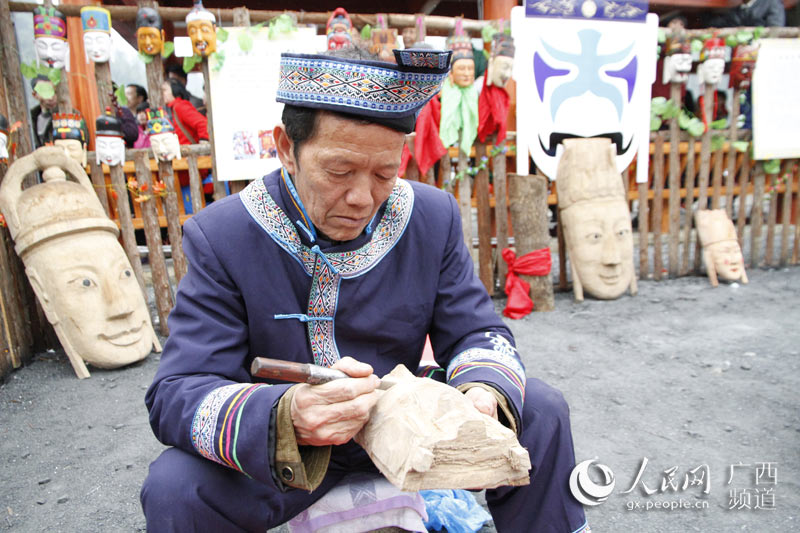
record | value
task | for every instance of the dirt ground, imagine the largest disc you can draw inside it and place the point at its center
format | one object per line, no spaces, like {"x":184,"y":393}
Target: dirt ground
{"x":683,"y":375}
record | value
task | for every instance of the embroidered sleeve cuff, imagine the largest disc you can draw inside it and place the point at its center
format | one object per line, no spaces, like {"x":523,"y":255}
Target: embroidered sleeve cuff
{"x":504,"y":414}
{"x":301,"y":467}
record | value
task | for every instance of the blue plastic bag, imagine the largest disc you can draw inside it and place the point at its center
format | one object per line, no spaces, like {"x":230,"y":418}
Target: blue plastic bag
{"x":455,"y":510}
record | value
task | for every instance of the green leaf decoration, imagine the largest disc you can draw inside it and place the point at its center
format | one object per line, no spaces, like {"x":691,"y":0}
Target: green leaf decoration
{"x":773,"y":166}
{"x":758,"y":32}
{"x":146,"y":59}
{"x":219,"y":57}
{"x":29,"y":71}
{"x":281,"y":25}
{"x":696,"y":46}
{"x":169,"y":47}
{"x":717,"y":142}
{"x":695,"y":127}
{"x":683,"y":120}
{"x":731,"y":41}
{"x":706,"y":36}
{"x":222,"y":34}
{"x":740,"y":146}
{"x":120,"y":94}
{"x":658,"y":104}
{"x":44,"y":89}
{"x":190,"y":62}
{"x":744,"y":36}
{"x":487,"y":33}
{"x":257,"y":27}
{"x":655,"y":123}
{"x":719,"y":124}
{"x":366,"y":32}
{"x":671,"y":110}
{"x":245,"y":41}
{"x":662,"y":35}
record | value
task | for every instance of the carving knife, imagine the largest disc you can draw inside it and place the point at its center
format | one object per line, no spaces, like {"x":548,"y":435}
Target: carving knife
{"x":264,"y":367}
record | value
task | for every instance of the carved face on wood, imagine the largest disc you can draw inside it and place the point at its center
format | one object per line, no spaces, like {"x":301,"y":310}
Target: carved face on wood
{"x":203,"y":36}
{"x":109,"y":150}
{"x":74,"y":149}
{"x":462,"y":73}
{"x":166,"y":146}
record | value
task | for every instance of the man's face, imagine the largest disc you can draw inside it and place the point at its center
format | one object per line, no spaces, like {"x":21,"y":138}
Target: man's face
{"x":344,"y":173}
{"x":600,"y":243}
{"x":51,"y":52}
{"x":97,"y":45}
{"x":463,"y":72}
{"x":150,"y":40}
{"x":94,"y":298}
{"x":203,"y":36}
{"x":727,"y":258}
{"x":132,"y":96}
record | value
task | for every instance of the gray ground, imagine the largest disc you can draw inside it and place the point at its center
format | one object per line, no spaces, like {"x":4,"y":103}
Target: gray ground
{"x":682,"y":374}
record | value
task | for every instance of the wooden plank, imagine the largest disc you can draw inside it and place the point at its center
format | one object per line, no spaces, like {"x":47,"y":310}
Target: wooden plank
{"x":644,"y":240}
{"x":674,"y":186}
{"x":158,"y":265}
{"x":195,"y":184}
{"x":786,"y":210}
{"x":688,"y":205}
{"x":170,"y":202}
{"x":445,"y":173}
{"x":705,"y":167}
{"x":465,"y":198}
{"x":757,"y":216}
{"x":744,"y":178}
{"x":485,"y":270}
{"x":772,"y":216}
{"x":219,"y":187}
{"x":528,"y":200}
{"x":99,"y":182}
{"x":123,"y":207}
{"x":717,"y":179}
{"x":658,"y":204}
{"x":733,"y":133}
{"x":500,"y":209}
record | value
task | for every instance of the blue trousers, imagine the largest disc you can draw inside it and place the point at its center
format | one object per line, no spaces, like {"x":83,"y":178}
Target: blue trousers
{"x":185,"y":492}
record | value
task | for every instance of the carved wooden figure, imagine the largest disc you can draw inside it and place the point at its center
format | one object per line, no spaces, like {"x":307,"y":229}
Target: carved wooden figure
{"x":596,"y":219}
{"x":75,"y":264}
{"x":423,"y":434}
{"x":721,"y":251}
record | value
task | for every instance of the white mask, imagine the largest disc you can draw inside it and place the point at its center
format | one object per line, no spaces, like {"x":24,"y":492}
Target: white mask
{"x":166,"y":146}
{"x":97,"y":45}
{"x":109,"y":150}
{"x":51,"y":52}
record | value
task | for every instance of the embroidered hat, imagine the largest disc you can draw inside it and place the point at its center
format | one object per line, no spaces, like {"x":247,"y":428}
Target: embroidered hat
{"x":460,"y":43}
{"x":502,"y":45}
{"x":108,"y":125}
{"x":677,"y":44}
{"x":147,"y":17}
{"x":384,"y":93}
{"x":68,"y":126}
{"x":713,"y":48}
{"x":198,"y":12}
{"x":49,"y":22}
{"x":95,"y":18}
{"x":157,"y":122}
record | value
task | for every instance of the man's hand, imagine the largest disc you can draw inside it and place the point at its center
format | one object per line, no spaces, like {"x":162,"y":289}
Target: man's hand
{"x":483,"y":400}
{"x":332,"y":413}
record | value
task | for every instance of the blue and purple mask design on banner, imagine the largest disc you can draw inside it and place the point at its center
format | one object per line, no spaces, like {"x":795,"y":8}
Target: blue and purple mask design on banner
{"x":584,"y":76}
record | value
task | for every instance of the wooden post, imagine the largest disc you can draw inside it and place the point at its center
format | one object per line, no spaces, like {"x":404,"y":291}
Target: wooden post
{"x":705,"y":166}
{"x":796,"y":249}
{"x":152,"y":231}
{"x":465,"y":196}
{"x":562,"y":255}
{"x":757,"y":216}
{"x":786,"y":215}
{"x":717,"y":178}
{"x":219,"y":187}
{"x":658,"y":204}
{"x":484,"y":223}
{"x":500,"y":208}
{"x":99,"y":182}
{"x":102,"y":74}
{"x":241,"y":17}
{"x":170,"y":202}
{"x":195,"y":184}
{"x":12,"y":77}
{"x":644,"y":237}
{"x":744,"y":178}
{"x":733,"y":134}
{"x":674,"y":185}
{"x":772,"y":216}
{"x":528,"y":199}
{"x":689,"y":205}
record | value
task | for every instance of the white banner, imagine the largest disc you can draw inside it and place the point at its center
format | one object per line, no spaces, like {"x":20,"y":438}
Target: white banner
{"x":776,"y":100}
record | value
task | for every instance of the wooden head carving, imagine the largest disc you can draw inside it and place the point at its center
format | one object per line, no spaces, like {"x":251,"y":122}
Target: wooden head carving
{"x":596,"y":220}
{"x":78,"y":270}
{"x":721,"y":251}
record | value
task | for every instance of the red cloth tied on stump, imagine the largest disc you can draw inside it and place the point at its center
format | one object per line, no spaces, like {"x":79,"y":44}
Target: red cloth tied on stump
{"x":535,"y":263}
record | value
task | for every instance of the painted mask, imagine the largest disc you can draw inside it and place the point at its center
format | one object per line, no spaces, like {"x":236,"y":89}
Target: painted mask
{"x":50,"y":36}
{"x":338,"y":29}
{"x":596,"y":219}
{"x":742,"y":64}
{"x":712,"y":58}
{"x":462,"y":71}
{"x":76,"y":266}
{"x":149,"y":31}
{"x":384,"y":40}
{"x":69,"y":135}
{"x":96,"y":22}
{"x":200,"y":25}
{"x":677,"y":60}
{"x":109,"y":146}
{"x":501,"y":61}
{"x":163,"y":138}
{"x":721,"y":251}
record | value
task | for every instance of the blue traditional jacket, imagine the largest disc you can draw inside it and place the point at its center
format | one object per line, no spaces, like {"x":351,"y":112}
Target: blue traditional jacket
{"x":258,"y":286}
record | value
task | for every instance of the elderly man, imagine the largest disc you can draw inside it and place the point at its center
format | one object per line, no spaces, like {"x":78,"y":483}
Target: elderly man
{"x":333,"y":260}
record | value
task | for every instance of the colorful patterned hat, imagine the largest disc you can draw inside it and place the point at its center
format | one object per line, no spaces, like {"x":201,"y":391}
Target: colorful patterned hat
{"x":95,"y":18}
{"x":502,"y":45}
{"x":3,"y":125}
{"x":199,"y":12}
{"x":107,"y":125}
{"x":386,"y":93}
{"x":49,"y":22}
{"x":157,"y":122}
{"x":68,"y":126}
{"x":147,"y":17}
{"x":713,"y":48}
{"x":460,"y":43}
{"x":677,"y":44}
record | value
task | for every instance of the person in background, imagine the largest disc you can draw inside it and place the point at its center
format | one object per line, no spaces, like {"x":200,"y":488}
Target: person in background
{"x":143,"y":140}
{"x":750,"y":13}
{"x":42,"y":114}
{"x":136,"y":94}
{"x":130,"y":131}
{"x":175,"y":72}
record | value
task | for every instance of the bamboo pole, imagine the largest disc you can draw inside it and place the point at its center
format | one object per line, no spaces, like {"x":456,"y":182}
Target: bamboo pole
{"x":485,"y":270}
{"x":674,"y":184}
{"x":757,"y":216}
{"x":705,"y":166}
{"x":528,"y":199}
{"x":658,"y":204}
{"x":158,"y":265}
{"x":500,"y":208}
